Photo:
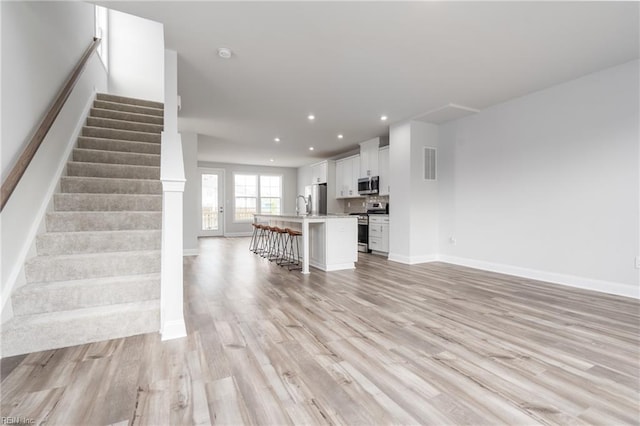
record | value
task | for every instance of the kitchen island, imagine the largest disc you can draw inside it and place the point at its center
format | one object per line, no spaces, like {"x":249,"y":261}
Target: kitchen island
{"x":329,"y":242}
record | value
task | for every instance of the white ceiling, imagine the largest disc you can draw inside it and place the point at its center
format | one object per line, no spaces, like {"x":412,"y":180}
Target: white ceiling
{"x":350,"y":62}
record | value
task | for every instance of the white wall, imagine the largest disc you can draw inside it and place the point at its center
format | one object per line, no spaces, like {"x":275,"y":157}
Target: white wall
{"x":289,"y":190}
{"x":28,"y":28}
{"x":41,"y":43}
{"x":424,"y":194}
{"x":191,"y":198}
{"x":413,"y":202}
{"x":400,"y":197}
{"x":136,"y":57}
{"x":547,"y":185}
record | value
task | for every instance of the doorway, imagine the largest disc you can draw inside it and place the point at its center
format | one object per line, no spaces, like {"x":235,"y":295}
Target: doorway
{"x":211,"y":203}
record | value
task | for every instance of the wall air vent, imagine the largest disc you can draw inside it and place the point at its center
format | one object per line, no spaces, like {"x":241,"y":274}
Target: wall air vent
{"x":429,"y":163}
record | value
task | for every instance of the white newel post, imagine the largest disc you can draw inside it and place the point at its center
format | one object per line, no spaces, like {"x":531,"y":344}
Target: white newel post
{"x":172,"y":324}
{"x":171,"y":296}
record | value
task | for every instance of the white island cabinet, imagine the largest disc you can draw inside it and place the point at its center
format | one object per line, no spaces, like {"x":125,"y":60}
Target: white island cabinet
{"x":329,"y":242}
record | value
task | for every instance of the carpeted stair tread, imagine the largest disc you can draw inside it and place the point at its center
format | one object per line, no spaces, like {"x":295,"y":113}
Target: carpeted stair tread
{"x":91,"y":265}
{"x":136,"y":109}
{"x":129,"y":101}
{"x":123,"y":125}
{"x":113,"y":157}
{"x":60,"y":243}
{"x":102,"y":144}
{"x":102,"y":221}
{"x":79,"y":326}
{"x":107,"y":202}
{"x":126,"y":116}
{"x":96,"y":270}
{"x":128,"y":135}
{"x":105,"y":170}
{"x":43,"y":297}
{"x":96,"y":185}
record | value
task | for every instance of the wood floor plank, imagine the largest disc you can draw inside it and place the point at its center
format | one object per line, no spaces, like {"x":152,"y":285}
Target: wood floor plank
{"x":386,"y":343}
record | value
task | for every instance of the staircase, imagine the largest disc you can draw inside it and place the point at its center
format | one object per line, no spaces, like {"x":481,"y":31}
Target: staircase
{"x":96,"y":275}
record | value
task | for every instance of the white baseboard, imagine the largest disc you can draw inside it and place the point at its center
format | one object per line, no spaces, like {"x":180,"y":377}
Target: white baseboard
{"x":173,"y":330}
{"x":413,"y":260}
{"x":339,"y":266}
{"x":551,"y":277}
{"x":238,"y":234}
{"x":190,"y":252}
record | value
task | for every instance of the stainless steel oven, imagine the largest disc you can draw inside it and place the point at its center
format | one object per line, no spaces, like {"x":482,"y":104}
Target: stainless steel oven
{"x":363,"y":232}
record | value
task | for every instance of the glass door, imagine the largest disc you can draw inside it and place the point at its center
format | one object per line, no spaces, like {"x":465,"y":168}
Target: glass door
{"x":211,"y":203}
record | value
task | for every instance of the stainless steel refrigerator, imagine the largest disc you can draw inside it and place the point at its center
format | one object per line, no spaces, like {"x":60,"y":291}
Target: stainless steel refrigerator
{"x":318,"y":194}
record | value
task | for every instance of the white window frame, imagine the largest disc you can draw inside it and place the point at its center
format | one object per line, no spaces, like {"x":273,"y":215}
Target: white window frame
{"x":101,"y":29}
{"x":258,"y":194}
{"x":235,"y":196}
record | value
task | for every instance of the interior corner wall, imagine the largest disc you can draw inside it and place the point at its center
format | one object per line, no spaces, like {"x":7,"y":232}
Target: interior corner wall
{"x":413,"y":213}
{"x":41,"y":43}
{"x":191,"y":193}
{"x":549,"y":183}
{"x":400,"y":196}
{"x":289,"y":191}
{"x":136,"y":57}
{"x":424,"y":195}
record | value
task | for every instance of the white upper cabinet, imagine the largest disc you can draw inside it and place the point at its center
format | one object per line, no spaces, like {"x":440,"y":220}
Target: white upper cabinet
{"x":340,"y":170}
{"x":347,"y":173}
{"x":369,"y":158}
{"x":319,"y":172}
{"x":383,"y":170}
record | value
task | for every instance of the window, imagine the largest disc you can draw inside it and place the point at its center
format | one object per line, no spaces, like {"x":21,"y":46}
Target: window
{"x":101,"y":32}
{"x":246,"y":193}
{"x":253,"y":191}
{"x":270,"y":194}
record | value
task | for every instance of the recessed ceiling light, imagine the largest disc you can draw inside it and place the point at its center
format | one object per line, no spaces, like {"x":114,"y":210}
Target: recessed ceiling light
{"x":271,"y":159}
{"x":224,"y":52}
{"x":311,"y":117}
{"x":276,"y":139}
{"x":383,"y":118}
{"x":310,"y":148}
{"x":340,"y":136}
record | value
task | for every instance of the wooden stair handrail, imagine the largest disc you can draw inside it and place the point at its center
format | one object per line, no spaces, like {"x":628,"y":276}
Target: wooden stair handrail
{"x":27,"y":155}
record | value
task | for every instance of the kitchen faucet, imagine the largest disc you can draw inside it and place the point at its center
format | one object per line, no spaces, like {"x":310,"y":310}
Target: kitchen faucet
{"x":307,"y":204}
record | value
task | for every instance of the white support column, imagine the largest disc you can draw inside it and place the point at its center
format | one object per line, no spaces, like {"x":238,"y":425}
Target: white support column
{"x":172,"y":323}
{"x":305,"y":246}
{"x":171,"y":296}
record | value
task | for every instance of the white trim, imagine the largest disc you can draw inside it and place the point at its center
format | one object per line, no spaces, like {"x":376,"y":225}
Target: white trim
{"x":333,"y":266}
{"x":190,"y":252}
{"x":608,"y":287}
{"x":339,"y":266}
{"x":44,"y":206}
{"x":173,"y":330}
{"x":173,"y":185}
{"x":238,"y":234}
{"x":413,"y":260}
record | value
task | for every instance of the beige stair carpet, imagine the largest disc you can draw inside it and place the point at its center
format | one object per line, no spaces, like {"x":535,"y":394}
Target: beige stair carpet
{"x":96,"y":275}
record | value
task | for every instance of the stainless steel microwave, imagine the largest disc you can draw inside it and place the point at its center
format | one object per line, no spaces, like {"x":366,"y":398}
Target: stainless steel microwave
{"x":368,"y":185}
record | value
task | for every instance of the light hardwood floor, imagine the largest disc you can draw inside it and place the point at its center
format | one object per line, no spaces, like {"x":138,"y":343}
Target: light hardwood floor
{"x":384,"y":344}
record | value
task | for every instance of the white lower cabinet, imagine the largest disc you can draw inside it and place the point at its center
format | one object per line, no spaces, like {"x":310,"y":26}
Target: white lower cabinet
{"x":379,"y":233}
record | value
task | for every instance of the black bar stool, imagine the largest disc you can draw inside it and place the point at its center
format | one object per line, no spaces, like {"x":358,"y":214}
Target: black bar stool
{"x":253,"y":245}
{"x":292,"y":249}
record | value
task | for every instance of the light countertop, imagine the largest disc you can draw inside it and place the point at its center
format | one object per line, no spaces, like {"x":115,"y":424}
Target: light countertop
{"x":294,"y":216}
